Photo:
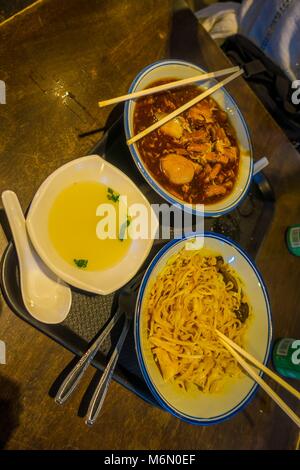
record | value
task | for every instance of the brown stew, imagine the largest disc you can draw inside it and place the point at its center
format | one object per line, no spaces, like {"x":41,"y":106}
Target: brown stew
{"x":195,"y":156}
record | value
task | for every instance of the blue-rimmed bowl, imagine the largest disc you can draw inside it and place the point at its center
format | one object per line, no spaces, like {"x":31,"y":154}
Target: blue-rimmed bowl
{"x":197,"y":407}
{"x":179,"y":69}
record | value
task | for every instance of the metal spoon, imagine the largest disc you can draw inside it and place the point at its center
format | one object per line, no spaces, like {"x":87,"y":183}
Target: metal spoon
{"x":46,"y":297}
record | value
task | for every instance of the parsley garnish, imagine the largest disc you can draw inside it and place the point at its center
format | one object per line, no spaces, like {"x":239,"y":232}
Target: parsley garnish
{"x":81,"y":263}
{"x":112,"y":195}
{"x":123,"y":228}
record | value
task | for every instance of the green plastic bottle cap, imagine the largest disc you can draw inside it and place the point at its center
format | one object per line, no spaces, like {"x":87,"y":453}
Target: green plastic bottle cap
{"x":293,"y":239}
{"x":286,"y":357}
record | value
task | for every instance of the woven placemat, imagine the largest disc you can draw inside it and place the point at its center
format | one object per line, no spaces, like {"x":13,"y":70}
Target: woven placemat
{"x":88,"y":315}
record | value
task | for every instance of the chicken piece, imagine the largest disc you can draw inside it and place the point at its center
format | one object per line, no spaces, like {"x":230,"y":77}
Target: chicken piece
{"x":215,"y":190}
{"x":178,"y":169}
{"x":219,"y":146}
{"x":220,"y":179}
{"x":181,"y":151}
{"x":210,"y":157}
{"x":195,"y":115}
{"x":230,"y":174}
{"x":200,"y":148}
{"x":227,"y":142}
{"x":198,"y":136}
{"x":212,"y":132}
{"x":220,"y":133}
{"x":201,"y":111}
{"x":196,"y":156}
{"x":215,"y":171}
{"x":197,"y":167}
{"x":207,"y":171}
{"x":222,"y":159}
{"x":185,"y":125}
{"x":228,"y":184}
{"x":231,"y":153}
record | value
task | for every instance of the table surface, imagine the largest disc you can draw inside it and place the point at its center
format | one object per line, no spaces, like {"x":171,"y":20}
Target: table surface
{"x":92,"y":50}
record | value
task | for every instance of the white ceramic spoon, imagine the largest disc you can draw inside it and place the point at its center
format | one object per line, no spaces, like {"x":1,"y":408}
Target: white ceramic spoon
{"x":46,"y":297}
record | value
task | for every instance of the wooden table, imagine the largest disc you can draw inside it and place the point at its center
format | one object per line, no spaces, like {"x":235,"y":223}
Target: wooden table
{"x":93,"y":50}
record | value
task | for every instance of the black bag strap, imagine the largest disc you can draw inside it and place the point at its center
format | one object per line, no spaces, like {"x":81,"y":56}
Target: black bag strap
{"x":253,"y":68}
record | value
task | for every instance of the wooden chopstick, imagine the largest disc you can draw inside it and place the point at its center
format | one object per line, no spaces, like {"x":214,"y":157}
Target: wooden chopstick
{"x":260,"y":366}
{"x":167,"y":86}
{"x":263,"y":384}
{"x":183,"y":108}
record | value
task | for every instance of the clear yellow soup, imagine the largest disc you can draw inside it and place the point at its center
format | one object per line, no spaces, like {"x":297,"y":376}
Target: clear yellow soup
{"x":73,"y":222}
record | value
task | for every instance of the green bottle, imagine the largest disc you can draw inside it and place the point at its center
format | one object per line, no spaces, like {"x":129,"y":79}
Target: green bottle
{"x":293,"y":239}
{"x":286,"y":357}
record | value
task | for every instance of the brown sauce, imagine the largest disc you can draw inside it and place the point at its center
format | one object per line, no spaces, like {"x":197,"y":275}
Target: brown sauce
{"x":195,"y":156}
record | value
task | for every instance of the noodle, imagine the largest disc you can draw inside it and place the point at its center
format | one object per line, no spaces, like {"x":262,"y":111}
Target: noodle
{"x":193,"y":295}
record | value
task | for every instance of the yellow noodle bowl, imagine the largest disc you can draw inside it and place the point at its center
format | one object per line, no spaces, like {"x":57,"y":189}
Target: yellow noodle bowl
{"x":192,"y":296}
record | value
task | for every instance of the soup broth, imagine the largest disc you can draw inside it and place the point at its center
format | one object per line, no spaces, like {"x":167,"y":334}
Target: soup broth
{"x":73,"y":222}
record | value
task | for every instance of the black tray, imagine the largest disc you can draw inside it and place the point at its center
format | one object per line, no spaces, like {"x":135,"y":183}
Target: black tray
{"x":89,"y":313}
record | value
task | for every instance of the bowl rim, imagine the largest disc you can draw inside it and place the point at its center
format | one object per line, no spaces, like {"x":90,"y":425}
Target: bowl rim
{"x":146,"y":174}
{"x":60,"y":272}
{"x":163,"y":403}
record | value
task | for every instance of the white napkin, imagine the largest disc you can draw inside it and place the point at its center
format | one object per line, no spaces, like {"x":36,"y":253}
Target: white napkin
{"x":220,"y":19}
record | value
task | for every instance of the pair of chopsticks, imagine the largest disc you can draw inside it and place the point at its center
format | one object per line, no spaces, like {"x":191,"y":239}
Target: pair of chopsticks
{"x":237,"y":352}
{"x":234,"y":71}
